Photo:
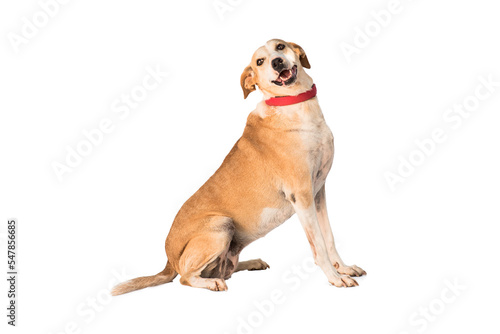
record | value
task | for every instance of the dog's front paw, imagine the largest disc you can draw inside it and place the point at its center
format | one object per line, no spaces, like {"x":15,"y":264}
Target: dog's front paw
{"x":350,"y":270}
{"x":344,"y":281}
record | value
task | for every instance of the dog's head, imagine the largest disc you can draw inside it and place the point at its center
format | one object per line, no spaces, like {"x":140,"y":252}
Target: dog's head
{"x":277,"y":68}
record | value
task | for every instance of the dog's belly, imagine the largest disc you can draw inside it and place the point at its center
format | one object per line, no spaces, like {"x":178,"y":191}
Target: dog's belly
{"x":270,"y":218}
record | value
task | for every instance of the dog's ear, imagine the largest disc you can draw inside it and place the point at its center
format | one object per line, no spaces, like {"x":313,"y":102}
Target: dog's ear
{"x":247,"y":81}
{"x":301,"y":53}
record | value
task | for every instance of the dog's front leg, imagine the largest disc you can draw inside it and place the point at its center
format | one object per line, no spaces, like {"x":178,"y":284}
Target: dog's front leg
{"x":304,"y":206}
{"x":326,"y":231}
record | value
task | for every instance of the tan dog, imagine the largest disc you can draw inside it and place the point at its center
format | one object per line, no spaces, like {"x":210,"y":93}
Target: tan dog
{"x":277,"y":168}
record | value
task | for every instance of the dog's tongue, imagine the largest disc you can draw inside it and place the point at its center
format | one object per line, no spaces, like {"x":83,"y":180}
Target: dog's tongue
{"x":285,"y":75}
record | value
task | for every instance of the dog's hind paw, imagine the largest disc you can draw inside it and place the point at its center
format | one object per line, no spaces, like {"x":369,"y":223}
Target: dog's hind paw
{"x":216,"y":284}
{"x":258,"y":265}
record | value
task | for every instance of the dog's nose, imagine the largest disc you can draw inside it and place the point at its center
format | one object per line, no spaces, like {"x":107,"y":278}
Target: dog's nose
{"x":277,"y":64}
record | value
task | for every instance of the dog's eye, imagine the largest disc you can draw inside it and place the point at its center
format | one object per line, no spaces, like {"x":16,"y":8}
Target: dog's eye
{"x":260,"y":61}
{"x":280,"y":46}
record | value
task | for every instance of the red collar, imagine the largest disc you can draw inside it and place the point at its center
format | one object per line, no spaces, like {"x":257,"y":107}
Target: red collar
{"x":288,"y":100}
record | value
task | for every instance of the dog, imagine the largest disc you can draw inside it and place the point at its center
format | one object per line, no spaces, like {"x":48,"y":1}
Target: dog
{"x":277,"y":168}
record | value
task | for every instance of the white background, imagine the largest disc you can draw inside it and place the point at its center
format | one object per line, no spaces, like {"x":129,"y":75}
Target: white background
{"x":113,"y":211}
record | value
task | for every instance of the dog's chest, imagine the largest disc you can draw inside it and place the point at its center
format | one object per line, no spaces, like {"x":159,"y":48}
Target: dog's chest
{"x":317,"y":143}
{"x":317,"y":152}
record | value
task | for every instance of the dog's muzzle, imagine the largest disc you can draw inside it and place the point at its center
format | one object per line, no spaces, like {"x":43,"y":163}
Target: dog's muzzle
{"x":286,"y":76}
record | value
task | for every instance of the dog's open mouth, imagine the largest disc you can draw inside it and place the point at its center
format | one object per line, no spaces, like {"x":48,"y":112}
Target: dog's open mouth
{"x":286,"y":77}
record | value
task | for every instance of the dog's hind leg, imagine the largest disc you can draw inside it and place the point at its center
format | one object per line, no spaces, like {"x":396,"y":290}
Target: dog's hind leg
{"x":206,"y":254}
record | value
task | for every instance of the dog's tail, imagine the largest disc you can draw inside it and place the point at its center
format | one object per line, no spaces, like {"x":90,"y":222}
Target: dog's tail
{"x":165,"y":276}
